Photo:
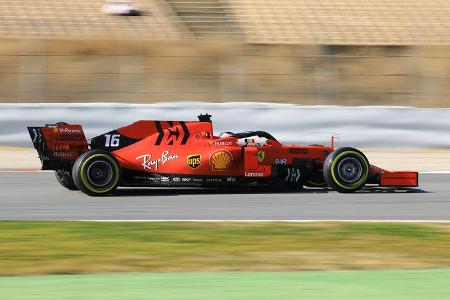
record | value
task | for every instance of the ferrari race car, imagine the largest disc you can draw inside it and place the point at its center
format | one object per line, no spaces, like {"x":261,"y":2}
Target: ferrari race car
{"x":187,"y":153}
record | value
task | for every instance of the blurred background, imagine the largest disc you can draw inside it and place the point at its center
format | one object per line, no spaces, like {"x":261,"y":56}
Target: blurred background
{"x":316,"y":61}
{"x":346,"y":52}
{"x":58,"y":58}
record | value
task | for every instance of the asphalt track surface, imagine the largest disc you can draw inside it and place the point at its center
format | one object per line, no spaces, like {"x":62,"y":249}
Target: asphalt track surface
{"x":37,"y":196}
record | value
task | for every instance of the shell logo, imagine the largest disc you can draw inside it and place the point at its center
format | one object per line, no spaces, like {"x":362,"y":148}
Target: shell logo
{"x":220,"y":160}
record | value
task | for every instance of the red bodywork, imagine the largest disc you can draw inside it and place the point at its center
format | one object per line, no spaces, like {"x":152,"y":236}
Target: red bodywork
{"x":190,"y":148}
{"x":217,"y":156}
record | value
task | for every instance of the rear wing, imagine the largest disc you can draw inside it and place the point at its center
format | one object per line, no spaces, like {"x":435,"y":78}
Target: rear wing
{"x":58,"y":145}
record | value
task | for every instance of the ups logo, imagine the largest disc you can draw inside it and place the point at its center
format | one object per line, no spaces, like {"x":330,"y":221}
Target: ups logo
{"x":193,"y":161}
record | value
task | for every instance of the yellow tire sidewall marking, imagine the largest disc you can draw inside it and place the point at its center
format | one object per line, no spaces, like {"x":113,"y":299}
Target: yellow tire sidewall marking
{"x":355,"y":184}
{"x":86,"y":182}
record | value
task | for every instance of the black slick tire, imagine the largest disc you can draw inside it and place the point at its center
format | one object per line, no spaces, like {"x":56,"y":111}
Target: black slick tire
{"x":96,"y":173}
{"x":346,"y":170}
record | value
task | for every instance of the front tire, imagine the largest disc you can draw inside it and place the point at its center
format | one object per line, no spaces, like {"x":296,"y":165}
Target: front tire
{"x":346,"y":170}
{"x":96,"y":173}
{"x":65,"y":179}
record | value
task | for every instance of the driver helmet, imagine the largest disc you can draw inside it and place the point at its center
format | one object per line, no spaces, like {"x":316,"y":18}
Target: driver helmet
{"x":225,"y":134}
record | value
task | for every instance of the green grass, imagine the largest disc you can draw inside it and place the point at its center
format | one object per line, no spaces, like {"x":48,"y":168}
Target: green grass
{"x":346,"y":285}
{"x":90,"y":247}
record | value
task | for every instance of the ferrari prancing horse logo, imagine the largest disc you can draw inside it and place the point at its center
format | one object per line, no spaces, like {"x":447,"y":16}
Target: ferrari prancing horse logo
{"x":261,"y":156}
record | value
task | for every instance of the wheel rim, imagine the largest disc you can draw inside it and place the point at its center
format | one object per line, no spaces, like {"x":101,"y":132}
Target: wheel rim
{"x":350,"y":169}
{"x":99,"y":173}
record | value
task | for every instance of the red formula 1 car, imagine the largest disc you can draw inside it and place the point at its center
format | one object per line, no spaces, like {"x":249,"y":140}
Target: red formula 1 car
{"x":187,"y":153}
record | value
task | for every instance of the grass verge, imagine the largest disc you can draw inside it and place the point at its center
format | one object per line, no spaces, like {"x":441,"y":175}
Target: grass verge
{"x":92,"y":247}
{"x":368,"y":285}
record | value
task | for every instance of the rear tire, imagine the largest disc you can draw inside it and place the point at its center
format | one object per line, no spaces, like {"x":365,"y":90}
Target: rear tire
{"x":346,"y":170}
{"x":96,"y":173}
{"x":65,"y":179}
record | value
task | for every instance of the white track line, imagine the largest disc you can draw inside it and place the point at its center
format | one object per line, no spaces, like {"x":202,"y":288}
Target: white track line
{"x":25,"y":171}
{"x":271,"y":221}
{"x":20,"y":171}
